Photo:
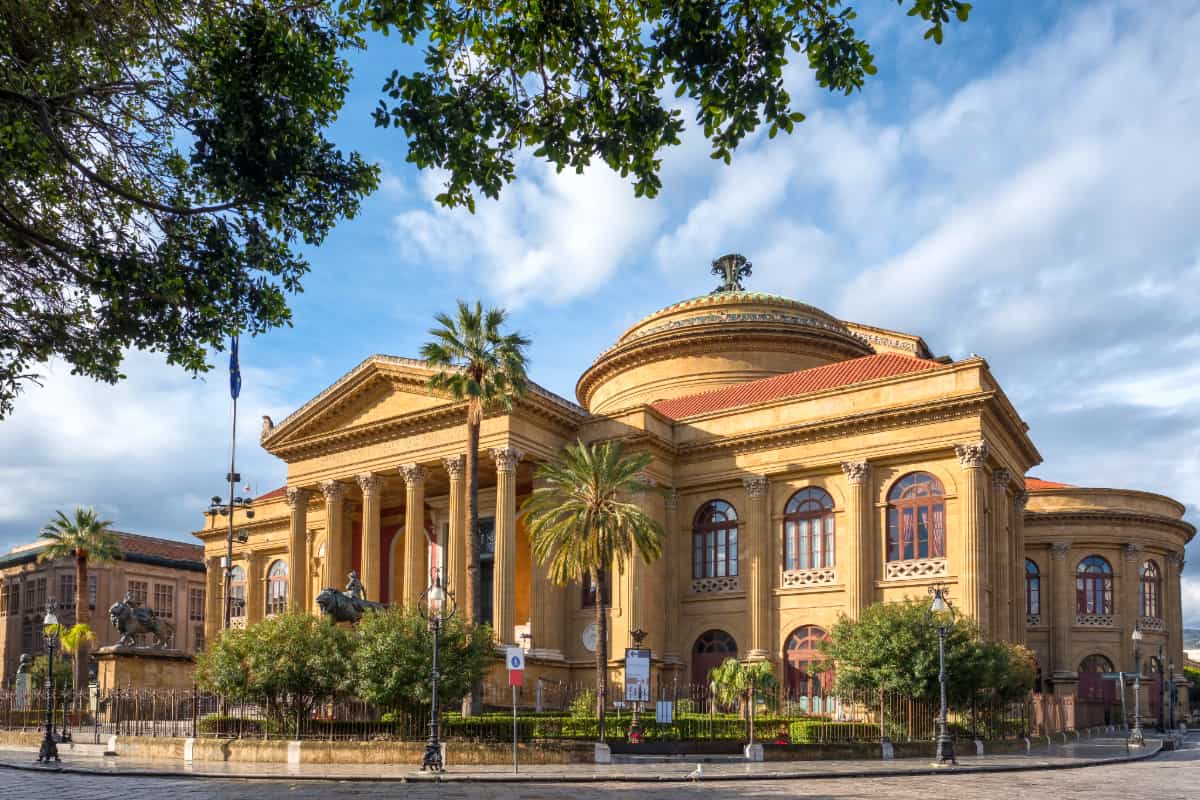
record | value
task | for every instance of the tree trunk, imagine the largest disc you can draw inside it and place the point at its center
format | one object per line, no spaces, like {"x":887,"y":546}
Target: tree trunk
{"x":601,"y":655}
{"x":473,"y":602}
{"x":81,"y":616}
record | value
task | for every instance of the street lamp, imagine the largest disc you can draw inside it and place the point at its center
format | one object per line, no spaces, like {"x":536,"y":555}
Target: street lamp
{"x":49,"y":749}
{"x":437,"y":606}
{"x":941,"y":614}
{"x":218,"y":506}
{"x":1136,"y":738}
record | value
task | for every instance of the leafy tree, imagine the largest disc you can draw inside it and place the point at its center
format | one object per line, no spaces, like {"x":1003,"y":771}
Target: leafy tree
{"x":735,"y":680}
{"x":290,"y":662}
{"x":62,"y":676}
{"x":86,"y":540}
{"x":393,"y":658}
{"x":593,"y":79}
{"x":162,"y":162}
{"x":75,"y":642}
{"x":1193,"y":675}
{"x":894,"y":647}
{"x":478,"y":363}
{"x":581,"y":524}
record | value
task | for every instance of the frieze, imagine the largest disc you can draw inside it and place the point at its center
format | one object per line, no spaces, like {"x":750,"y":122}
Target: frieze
{"x":886,"y":341}
{"x":1094,"y":517}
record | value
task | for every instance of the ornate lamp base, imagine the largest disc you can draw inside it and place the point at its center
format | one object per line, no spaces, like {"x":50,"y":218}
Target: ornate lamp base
{"x":49,"y":750}
{"x":945,"y":751}
{"x":433,"y":756}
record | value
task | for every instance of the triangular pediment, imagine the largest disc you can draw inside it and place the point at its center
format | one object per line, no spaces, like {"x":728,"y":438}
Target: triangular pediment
{"x":379,"y":390}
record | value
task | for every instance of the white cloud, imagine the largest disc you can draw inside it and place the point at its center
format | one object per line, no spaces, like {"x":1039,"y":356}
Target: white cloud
{"x":1190,"y":597}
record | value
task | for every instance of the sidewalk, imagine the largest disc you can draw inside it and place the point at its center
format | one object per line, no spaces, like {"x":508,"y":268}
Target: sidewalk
{"x":1083,"y":754}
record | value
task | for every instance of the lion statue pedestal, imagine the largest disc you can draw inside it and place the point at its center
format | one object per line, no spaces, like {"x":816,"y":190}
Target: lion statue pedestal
{"x":127,"y":667}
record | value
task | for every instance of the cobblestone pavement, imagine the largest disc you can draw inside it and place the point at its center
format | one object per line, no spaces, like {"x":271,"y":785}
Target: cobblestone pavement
{"x":1170,"y":776}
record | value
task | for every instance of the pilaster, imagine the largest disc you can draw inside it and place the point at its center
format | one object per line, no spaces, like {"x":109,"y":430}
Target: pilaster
{"x":505,"y":564}
{"x":1128,"y":597}
{"x":1173,"y":607}
{"x":1064,"y":612}
{"x":255,"y":586}
{"x":1017,"y":582}
{"x":858,"y":574}
{"x":297,"y":500}
{"x":972,"y":457}
{"x":671,"y":645}
{"x":336,"y":564}
{"x":757,"y":488}
{"x":456,"y":550}
{"x":1005,"y":558}
{"x":214,"y":588}
{"x":414,"y":533}
{"x":371,"y":557}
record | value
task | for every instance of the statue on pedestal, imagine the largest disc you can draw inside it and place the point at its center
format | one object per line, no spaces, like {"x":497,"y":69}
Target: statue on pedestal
{"x":131,"y":618}
{"x":347,"y":606}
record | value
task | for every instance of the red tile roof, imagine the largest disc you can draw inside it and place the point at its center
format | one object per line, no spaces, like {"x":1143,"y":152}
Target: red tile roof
{"x":280,"y":492}
{"x":163,"y":548}
{"x":1033,"y":484}
{"x":792,"y":384}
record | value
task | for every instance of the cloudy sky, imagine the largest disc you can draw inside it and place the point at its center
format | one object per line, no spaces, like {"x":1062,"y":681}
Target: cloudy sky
{"x":1029,"y":191}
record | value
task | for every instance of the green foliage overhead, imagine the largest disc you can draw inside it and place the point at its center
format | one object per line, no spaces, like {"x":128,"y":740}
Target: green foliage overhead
{"x":594,"y":79}
{"x":161,"y":163}
{"x":290,"y":662}
{"x":83,"y":535}
{"x":393,"y":659}
{"x":894,"y":647}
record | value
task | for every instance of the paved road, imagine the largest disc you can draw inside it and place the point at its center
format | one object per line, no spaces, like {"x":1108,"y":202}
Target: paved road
{"x":1171,"y":776}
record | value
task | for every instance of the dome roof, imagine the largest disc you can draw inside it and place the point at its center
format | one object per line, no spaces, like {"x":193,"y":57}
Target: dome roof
{"x":712,"y":341}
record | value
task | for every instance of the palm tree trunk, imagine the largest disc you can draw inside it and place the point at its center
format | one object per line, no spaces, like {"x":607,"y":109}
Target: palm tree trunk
{"x":81,"y":617}
{"x":473,"y":704}
{"x":601,"y":655}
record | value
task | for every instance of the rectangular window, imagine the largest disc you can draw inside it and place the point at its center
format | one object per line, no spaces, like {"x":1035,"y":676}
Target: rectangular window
{"x":164,"y":600}
{"x":31,"y":594}
{"x":14,"y":598}
{"x":138,"y":591}
{"x":804,"y":544}
{"x":4,"y":600}
{"x":196,"y":603}
{"x":199,"y":637}
{"x":39,"y":600}
{"x":66,"y":590}
{"x":93,"y":583}
{"x":922,"y":532}
{"x":829,"y":541}
{"x":28,"y":644}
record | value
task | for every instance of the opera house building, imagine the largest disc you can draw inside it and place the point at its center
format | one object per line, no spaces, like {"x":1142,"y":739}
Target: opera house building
{"x":804,"y":468}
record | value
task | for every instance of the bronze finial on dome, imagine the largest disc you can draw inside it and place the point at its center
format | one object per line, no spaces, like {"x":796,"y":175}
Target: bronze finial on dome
{"x":731,"y":268}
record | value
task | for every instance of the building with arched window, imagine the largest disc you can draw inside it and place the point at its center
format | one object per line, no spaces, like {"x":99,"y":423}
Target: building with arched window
{"x":804,"y":467}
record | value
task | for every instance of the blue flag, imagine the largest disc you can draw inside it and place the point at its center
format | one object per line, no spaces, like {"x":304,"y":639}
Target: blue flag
{"x":235,"y":372}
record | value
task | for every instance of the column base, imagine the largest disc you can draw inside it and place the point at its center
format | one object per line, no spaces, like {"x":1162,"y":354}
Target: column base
{"x":757,"y":655}
{"x":545,"y":654}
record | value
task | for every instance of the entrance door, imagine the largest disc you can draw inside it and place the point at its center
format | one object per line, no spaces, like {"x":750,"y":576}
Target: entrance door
{"x":710,"y":650}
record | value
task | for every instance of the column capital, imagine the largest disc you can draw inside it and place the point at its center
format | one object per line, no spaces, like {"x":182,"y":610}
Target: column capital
{"x":972,"y":455}
{"x":1059,"y":550}
{"x":857,"y":472}
{"x":413,"y":473}
{"x":1177,"y":560}
{"x":371,"y":483}
{"x":297,"y":497}
{"x":1000,"y":478}
{"x":456,"y":466}
{"x":506,"y":458}
{"x":1132,"y":551}
{"x":756,"y":485}
{"x":671,"y":499}
{"x":1020,"y":500}
{"x":333,"y":491}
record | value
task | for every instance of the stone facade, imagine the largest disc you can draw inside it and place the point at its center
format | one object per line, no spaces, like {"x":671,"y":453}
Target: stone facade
{"x":804,"y":468}
{"x":169,"y":575}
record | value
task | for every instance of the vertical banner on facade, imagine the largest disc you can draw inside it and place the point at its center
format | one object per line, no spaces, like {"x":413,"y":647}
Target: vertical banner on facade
{"x":637,"y":675}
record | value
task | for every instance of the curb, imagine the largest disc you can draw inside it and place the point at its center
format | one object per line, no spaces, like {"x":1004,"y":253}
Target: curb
{"x":660,"y":779}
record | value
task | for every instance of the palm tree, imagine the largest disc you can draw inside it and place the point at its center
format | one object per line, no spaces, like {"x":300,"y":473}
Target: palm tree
{"x":581,"y":525}
{"x":486,"y":368}
{"x":86,"y":539}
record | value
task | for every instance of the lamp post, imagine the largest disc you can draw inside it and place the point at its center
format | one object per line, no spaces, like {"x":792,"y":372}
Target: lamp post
{"x":218,"y":506}
{"x":1136,"y":737}
{"x":941,"y":614}
{"x":49,"y":749}
{"x":436,"y":605}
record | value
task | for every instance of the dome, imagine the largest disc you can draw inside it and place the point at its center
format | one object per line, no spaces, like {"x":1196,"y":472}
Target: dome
{"x":713,"y":341}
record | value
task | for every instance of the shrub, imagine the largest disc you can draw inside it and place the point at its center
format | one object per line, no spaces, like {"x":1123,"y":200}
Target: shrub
{"x":584,"y":704}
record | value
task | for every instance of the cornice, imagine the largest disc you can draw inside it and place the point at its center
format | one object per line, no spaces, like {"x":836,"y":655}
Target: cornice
{"x":1081,"y":517}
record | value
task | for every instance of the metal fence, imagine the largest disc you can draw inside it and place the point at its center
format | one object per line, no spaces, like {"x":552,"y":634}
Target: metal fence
{"x":544,"y":713}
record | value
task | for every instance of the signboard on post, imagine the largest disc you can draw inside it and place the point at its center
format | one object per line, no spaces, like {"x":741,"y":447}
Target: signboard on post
{"x":637,"y":674}
{"x":514,"y":658}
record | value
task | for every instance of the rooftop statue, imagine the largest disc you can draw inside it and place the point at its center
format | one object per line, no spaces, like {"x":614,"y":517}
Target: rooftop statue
{"x":731,"y":268}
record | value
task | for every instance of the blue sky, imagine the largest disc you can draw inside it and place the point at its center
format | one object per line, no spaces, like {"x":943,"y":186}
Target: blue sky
{"x":1028,"y":191}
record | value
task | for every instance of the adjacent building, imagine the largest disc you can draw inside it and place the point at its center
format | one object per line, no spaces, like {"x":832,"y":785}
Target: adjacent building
{"x":165,"y":575}
{"x":804,"y":468}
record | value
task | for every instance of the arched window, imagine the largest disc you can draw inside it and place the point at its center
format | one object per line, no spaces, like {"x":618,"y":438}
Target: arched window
{"x":277,"y":586}
{"x":806,"y":685}
{"x":1151,"y":590}
{"x":1096,"y":663}
{"x":1093,"y":586}
{"x":711,"y":648}
{"x":237,"y":592}
{"x":1033,"y":588}
{"x":715,"y":541}
{"x":916,"y":522}
{"x":808,"y":530}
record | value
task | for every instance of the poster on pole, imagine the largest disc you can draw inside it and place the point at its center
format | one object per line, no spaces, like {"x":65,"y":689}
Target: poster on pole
{"x":637,"y":675}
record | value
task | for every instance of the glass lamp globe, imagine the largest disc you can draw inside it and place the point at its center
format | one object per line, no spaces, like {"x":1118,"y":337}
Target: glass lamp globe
{"x":1137,"y":635}
{"x":939,"y":605}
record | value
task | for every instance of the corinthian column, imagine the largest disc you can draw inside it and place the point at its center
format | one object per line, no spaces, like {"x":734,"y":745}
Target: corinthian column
{"x":456,"y":548}
{"x":760,"y":558}
{"x":972,"y":457}
{"x":671,"y":647}
{"x":336,"y":563}
{"x":858,"y":573}
{"x":1017,"y":582}
{"x":371,"y":555}
{"x":297,"y":500}
{"x":1172,"y":603}
{"x":1064,"y":614}
{"x":414,"y":533}
{"x":546,"y":606}
{"x":505,"y":565}
{"x":1002,"y":565}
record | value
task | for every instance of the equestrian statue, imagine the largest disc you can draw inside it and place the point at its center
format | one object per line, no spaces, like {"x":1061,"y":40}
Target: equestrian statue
{"x":131,"y":618}
{"x":347,"y":606}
